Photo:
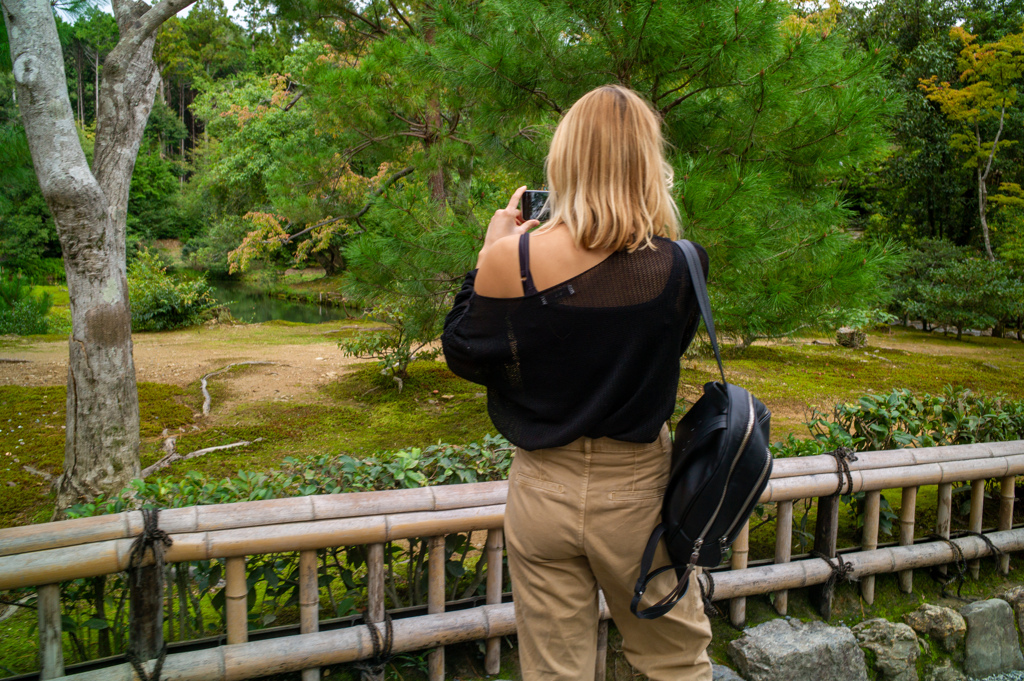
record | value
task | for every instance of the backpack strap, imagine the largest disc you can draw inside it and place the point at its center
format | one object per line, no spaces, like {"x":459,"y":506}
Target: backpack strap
{"x":700,"y":288}
{"x":669,"y":601}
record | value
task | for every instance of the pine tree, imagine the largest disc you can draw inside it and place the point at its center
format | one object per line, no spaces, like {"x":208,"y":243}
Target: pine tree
{"x":766,"y":113}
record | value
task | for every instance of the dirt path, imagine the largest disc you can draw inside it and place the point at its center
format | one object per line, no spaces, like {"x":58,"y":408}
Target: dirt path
{"x":303,"y":357}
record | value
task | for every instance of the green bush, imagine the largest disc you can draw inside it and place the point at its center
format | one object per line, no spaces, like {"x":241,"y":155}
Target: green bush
{"x":903,"y":419}
{"x":160,"y":301}
{"x":945,"y":285}
{"x":21,"y":313}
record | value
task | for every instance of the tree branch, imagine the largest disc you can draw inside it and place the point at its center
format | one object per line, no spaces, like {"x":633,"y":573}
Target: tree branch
{"x":995,"y":144}
{"x":141,"y":29}
{"x":362,"y":211}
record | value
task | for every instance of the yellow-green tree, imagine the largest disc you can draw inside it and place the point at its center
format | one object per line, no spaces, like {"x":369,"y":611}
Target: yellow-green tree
{"x":986,"y":93}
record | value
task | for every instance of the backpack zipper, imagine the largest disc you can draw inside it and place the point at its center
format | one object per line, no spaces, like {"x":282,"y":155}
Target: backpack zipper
{"x":764,"y":470}
{"x":746,"y":438}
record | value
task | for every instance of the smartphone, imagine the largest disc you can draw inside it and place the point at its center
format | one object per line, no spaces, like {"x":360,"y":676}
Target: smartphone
{"x":533,"y":207}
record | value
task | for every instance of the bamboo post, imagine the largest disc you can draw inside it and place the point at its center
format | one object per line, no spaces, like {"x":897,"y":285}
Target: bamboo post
{"x":740,"y":550}
{"x":236,"y":600}
{"x":309,"y":603}
{"x":374,"y":593}
{"x":1006,"y":495}
{"x":601,"y":666}
{"x":944,"y":513}
{"x":907,"y":508}
{"x":51,"y":651}
{"x":869,"y":540}
{"x":977,"y":511}
{"x":826,"y":527}
{"x":495,"y":548}
{"x":783,"y":547}
{"x":435,"y":601}
{"x":145,"y":612}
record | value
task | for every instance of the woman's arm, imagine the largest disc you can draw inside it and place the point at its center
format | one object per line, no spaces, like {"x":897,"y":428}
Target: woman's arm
{"x":470,"y":340}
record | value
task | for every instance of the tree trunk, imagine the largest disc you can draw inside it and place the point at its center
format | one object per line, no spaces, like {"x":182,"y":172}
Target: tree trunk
{"x":96,"y":86}
{"x":982,"y":210}
{"x":101,"y":451}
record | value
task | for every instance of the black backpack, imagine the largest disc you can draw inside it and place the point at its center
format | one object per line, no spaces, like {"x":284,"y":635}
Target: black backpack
{"x":720,"y":467}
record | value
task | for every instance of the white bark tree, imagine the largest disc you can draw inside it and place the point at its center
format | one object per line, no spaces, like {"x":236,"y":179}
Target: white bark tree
{"x":89,"y":206}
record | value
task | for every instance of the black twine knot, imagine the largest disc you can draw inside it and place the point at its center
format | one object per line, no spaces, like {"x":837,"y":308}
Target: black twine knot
{"x":843,"y":457}
{"x":993,"y":549}
{"x":141,"y":670}
{"x":841,"y":571}
{"x":152,"y":538}
{"x":708,"y":595}
{"x":381,"y":647}
{"x":958,"y":560}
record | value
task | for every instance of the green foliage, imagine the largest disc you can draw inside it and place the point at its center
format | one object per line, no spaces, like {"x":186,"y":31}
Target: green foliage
{"x":161,"y":302}
{"x":902,"y":419}
{"x":412,"y":329}
{"x":21,"y":313}
{"x":942,"y":284}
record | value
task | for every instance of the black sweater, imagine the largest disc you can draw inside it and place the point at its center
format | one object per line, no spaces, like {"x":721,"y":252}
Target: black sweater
{"x":596,"y":356}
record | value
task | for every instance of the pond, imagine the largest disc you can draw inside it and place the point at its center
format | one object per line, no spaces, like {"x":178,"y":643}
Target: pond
{"x":252,"y":306}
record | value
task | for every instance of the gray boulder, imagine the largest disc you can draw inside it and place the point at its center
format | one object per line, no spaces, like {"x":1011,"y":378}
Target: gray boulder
{"x":721,"y":673}
{"x":791,"y":650}
{"x":945,"y":673}
{"x":992,"y":646}
{"x":1015,"y":597}
{"x":944,"y":625}
{"x":894,"y":645}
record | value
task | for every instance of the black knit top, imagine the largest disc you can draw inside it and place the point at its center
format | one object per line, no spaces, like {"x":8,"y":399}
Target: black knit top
{"x":596,"y":356}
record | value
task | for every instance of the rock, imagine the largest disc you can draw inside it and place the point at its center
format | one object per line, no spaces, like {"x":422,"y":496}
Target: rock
{"x":945,"y":673}
{"x":992,"y":646}
{"x":851,"y":338}
{"x":894,"y":645}
{"x":720,"y":673}
{"x":1015,"y":597}
{"x":944,"y":625}
{"x":791,"y":650}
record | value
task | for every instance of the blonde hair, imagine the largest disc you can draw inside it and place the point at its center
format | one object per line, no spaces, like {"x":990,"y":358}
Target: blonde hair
{"x":607,"y":175}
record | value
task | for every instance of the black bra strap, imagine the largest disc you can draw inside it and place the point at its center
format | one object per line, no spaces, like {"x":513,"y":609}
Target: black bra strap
{"x":524,"y":265}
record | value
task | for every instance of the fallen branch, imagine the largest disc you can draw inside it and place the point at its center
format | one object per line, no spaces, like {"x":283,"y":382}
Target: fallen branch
{"x":35,"y":471}
{"x":14,"y":361}
{"x":174,"y":456}
{"x":206,"y":393}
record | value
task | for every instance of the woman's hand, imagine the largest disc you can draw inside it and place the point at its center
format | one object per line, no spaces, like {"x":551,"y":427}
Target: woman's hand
{"x":507,"y":221}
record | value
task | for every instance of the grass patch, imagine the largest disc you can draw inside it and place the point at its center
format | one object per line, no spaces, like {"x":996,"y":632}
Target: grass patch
{"x":360,"y":413}
{"x":33,"y":435}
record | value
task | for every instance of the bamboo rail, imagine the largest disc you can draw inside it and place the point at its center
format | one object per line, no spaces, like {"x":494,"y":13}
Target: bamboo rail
{"x":783,"y":547}
{"x":974,"y":523}
{"x":738,"y":561}
{"x":126,"y":525}
{"x":907,"y":507}
{"x":38,"y":556}
{"x":293,"y":653}
{"x":869,"y":539}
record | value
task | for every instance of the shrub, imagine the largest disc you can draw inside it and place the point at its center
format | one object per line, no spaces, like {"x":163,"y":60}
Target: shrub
{"x":160,"y":301}
{"x":903,"y":419}
{"x":951,"y":286}
{"x":21,"y":313}
{"x":412,"y":329}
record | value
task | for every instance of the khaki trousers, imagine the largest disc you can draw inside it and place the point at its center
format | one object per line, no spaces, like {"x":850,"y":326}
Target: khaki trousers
{"x":578,"y":518}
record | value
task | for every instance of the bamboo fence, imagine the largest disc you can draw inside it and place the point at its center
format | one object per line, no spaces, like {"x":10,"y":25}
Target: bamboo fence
{"x":38,"y":556}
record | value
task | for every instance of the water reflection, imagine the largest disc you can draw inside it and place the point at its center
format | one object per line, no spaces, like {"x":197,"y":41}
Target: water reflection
{"x":251,"y":305}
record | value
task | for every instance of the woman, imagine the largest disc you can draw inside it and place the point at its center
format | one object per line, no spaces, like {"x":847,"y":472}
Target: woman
{"x":576,"y":330}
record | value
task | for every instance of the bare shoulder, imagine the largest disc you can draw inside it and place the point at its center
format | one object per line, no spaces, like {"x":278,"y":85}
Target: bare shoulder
{"x":498,"y":275}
